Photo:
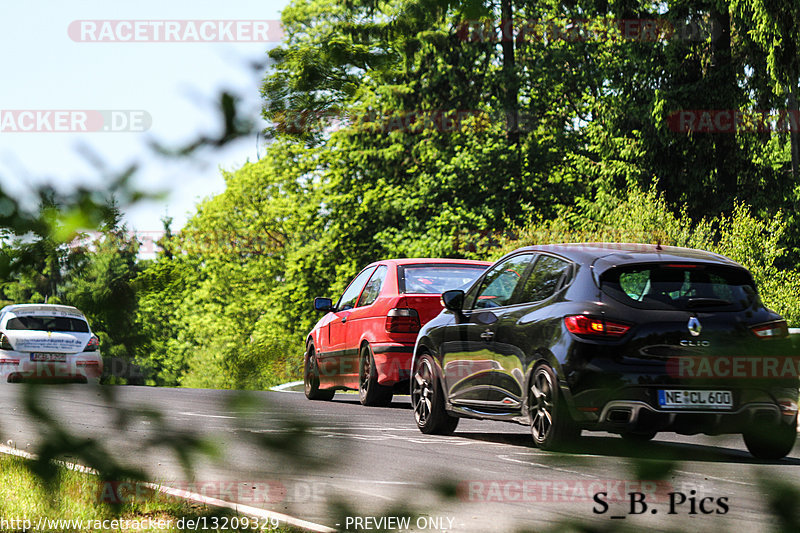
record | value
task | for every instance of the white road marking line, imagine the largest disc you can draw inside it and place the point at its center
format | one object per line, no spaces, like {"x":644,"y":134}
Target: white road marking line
{"x":505,"y":457}
{"x":185,"y":413}
{"x":718,"y":478}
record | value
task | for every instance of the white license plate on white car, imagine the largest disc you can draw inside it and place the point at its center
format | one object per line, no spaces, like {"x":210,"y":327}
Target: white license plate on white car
{"x":695,"y":399}
{"x":50,"y":357}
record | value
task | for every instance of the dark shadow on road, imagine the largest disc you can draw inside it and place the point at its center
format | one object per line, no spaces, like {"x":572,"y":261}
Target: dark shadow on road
{"x":403,"y":403}
{"x":612,"y":446}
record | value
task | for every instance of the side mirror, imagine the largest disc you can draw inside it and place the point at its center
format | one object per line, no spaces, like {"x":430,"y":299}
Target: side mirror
{"x":453,"y":300}
{"x":323,"y":304}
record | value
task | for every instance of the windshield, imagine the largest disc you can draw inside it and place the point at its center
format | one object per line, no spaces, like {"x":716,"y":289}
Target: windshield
{"x":436,"y":279}
{"x":680,"y":286}
{"x":48,"y":323}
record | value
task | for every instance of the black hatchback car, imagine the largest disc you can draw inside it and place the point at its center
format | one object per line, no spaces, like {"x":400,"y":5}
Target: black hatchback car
{"x":625,"y":338}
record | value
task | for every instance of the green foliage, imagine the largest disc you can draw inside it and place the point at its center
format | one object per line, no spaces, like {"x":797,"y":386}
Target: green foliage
{"x":94,"y":275}
{"x":222,"y":309}
{"x":390,"y":137}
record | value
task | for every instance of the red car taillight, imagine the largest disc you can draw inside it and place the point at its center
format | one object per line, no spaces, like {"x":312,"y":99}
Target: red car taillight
{"x":402,"y":320}
{"x":92,"y":345}
{"x":771,"y":330}
{"x":595,"y":327}
{"x":4,"y":343}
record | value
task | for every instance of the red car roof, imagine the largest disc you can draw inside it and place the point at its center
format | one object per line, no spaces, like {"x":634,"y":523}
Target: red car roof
{"x":428,"y":260}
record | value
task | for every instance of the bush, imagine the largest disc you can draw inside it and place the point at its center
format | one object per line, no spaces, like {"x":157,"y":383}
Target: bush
{"x":644,"y":217}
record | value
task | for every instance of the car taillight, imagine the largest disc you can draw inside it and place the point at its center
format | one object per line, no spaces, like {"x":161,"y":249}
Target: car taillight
{"x":4,"y":343}
{"x":788,"y":407}
{"x":402,"y":320}
{"x":92,"y":345}
{"x":595,"y":327}
{"x":771,"y":330}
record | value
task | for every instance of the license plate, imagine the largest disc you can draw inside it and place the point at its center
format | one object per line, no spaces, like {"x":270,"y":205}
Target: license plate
{"x":56,"y":357}
{"x":695,"y":399}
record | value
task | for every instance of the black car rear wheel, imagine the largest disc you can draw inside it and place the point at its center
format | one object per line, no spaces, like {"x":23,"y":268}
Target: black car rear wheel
{"x":551,"y":425}
{"x":311,"y":379}
{"x":771,"y":442}
{"x":370,"y":392}
{"x":427,"y":400}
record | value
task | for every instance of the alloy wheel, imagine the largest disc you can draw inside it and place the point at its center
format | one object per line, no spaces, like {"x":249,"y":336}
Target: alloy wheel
{"x":542,"y":406}
{"x":421,"y":392}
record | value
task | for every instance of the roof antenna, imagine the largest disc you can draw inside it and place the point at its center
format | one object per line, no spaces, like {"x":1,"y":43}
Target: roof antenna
{"x":658,"y":245}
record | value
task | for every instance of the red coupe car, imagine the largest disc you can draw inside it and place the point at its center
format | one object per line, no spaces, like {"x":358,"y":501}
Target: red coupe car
{"x":365,"y":341}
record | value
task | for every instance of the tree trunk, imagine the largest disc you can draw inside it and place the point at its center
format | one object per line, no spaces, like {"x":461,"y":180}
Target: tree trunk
{"x":511,"y":84}
{"x":794,"y":135}
{"x":724,"y":80}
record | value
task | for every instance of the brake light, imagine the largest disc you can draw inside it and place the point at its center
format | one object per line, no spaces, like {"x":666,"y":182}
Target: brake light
{"x":4,"y":343}
{"x":595,"y":327}
{"x":92,"y":345}
{"x":402,"y":320}
{"x":771,"y":330}
{"x":788,"y":407}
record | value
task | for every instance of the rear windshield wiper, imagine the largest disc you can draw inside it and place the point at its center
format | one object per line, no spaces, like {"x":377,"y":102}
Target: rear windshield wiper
{"x":706,"y":302}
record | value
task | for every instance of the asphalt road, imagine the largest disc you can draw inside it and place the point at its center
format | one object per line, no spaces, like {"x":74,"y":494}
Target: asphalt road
{"x":349,"y":467}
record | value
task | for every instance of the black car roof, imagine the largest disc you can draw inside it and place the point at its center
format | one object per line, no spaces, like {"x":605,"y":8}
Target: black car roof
{"x":605,"y":255}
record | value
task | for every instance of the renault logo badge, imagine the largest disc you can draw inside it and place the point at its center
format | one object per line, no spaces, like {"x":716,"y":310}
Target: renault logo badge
{"x":694,"y":326}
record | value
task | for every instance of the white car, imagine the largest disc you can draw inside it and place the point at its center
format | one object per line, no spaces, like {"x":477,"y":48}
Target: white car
{"x":45,"y":342}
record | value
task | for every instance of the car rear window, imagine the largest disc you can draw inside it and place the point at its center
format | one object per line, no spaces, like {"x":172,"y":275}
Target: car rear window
{"x":436,"y":279}
{"x":680,"y":286}
{"x":48,"y":323}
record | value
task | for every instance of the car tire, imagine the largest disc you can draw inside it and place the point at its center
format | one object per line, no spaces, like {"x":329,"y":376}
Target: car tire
{"x":427,"y":400}
{"x":370,"y":392}
{"x":552,"y":426}
{"x":770,"y":442}
{"x":311,"y":379}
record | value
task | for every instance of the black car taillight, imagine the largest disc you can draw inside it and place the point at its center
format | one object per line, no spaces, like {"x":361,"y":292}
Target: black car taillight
{"x":594,"y":327}
{"x":402,"y":320}
{"x":771,"y":330}
{"x":4,"y":343}
{"x":92,"y":345}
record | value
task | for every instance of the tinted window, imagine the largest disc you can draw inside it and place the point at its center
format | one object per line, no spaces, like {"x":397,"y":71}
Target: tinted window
{"x":671,"y":286}
{"x":348,"y":299}
{"x":435,"y":279}
{"x":373,"y":288}
{"x":497,"y":288}
{"x":549,"y":275}
{"x":48,"y":323}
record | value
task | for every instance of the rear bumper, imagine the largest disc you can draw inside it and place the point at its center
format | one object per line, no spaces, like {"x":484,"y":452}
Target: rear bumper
{"x":392,"y":362}
{"x":622,"y":416}
{"x":78,"y":368}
